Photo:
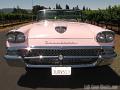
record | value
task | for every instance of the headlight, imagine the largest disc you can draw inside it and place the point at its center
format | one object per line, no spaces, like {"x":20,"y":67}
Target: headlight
{"x":105,"y":36}
{"x":16,"y":37}
{"x":109,"y":37}
{"x":11,"y":37}
{"x":20,"y":38}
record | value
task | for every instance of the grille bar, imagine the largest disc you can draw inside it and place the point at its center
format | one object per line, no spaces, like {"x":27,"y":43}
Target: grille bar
{"x":66,"y":61}
{"x":65,"y":57}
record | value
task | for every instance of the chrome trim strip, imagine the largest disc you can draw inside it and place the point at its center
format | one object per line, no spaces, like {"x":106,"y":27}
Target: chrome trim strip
{"x":81,"y":57}
{"x":38,"y":57}
{"x":61,"y":47}
{"x":70,"y":47}
{"x":58,"y":38}
{"x":73,"y":66}
{"x":9,"y":57}
{"x":56,"y":57}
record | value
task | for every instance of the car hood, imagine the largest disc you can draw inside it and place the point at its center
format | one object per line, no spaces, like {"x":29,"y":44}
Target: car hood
{"x":44,"y":33}
{"x":61,"y":29}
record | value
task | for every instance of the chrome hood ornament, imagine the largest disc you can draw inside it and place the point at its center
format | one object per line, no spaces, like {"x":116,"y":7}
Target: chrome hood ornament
{"x":60,"y":29}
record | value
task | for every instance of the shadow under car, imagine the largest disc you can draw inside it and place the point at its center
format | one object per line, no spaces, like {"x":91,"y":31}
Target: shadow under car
{"x":42,"y":78}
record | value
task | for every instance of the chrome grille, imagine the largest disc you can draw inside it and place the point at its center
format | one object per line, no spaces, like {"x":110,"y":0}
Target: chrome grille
{"x":58,"y":62}
{"x":69,"y":52}
{"x":66,"y":53}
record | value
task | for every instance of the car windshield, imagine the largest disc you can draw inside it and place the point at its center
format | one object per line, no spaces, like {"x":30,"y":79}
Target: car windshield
{"x":70,"y":15}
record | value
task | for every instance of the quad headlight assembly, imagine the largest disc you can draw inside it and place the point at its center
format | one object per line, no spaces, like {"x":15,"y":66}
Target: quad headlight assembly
{"x":15,"y":37}
{"x":105,"y":37}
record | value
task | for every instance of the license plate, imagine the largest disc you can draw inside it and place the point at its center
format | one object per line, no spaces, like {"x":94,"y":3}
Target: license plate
{"x":61,"y":70}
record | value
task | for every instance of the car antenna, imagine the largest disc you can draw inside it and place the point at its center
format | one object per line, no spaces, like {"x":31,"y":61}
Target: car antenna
{"x":32,"y":11}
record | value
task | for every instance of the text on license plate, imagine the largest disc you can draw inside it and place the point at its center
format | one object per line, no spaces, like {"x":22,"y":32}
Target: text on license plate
{"x":61,"y":70}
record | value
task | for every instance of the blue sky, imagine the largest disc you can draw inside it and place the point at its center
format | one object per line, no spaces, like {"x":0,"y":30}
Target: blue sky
{"x":27,"y":4}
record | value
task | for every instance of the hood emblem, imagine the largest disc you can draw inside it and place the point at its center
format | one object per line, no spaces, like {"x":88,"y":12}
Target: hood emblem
{"x":60,"y":29}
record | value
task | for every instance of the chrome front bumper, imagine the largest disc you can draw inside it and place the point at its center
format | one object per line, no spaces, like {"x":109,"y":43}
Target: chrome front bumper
{"x":14,"y":61}
{"x":18,"y":61}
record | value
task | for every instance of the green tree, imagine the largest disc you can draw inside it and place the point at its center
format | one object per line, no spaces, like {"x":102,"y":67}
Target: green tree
{"x":58,"y":6}
{"x":67,"y":7}
{"x":84,"y":8}
{"x":36,"y":8}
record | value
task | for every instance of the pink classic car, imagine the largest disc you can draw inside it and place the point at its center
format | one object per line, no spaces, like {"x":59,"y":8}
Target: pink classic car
{"x":58,"y":41}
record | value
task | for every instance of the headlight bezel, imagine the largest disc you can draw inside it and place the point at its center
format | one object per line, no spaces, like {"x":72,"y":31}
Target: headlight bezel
{"x":11,"y":37}
{"x":107,"y":36}
{"x":17,"y":37}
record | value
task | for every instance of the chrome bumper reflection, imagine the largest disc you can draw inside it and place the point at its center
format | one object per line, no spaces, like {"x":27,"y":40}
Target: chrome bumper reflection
{"x":14,"y":61}
{"x":19,"y":62}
